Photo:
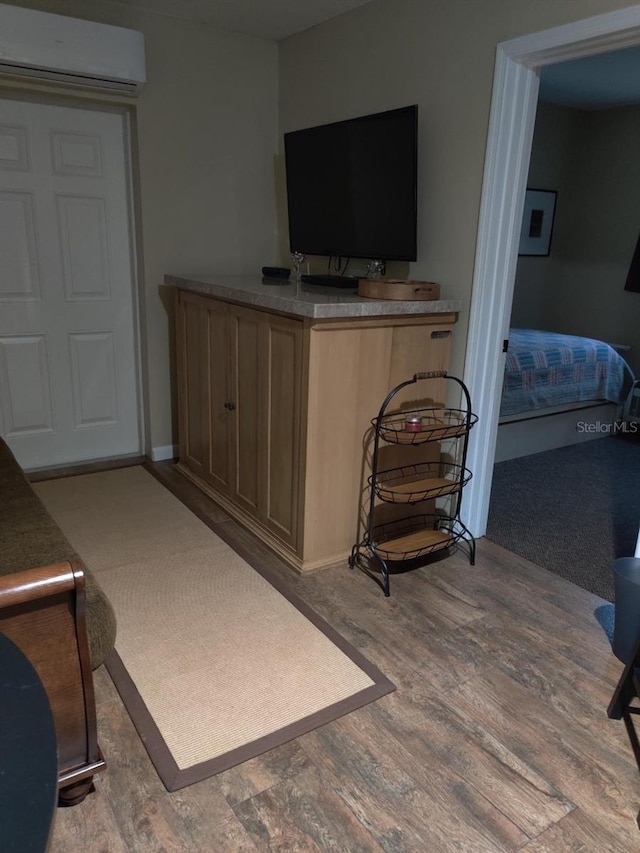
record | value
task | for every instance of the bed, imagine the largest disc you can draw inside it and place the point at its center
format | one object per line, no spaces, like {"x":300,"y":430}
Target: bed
{"x":547,"y":369}
{"x":558,"y":390}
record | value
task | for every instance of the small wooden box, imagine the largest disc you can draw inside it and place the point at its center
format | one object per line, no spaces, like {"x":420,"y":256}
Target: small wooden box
{"x":396,"y":288}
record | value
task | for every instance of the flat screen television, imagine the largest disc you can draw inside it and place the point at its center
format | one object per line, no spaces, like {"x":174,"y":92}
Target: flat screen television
{"x":352,"y":187}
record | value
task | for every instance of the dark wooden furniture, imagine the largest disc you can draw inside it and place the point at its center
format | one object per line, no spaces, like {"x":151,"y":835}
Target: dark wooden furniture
{"x":28,"y":759}
{"x":624,"y":703}
{"x":43,"y":612}
{"x":30,"y":539}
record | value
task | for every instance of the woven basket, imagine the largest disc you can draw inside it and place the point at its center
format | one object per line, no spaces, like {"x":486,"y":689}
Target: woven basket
{"x":395,"y":288}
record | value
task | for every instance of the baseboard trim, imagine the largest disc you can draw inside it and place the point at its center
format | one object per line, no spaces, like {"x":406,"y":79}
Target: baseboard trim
{"x":161,"y":454}
{"x":537,"y":434}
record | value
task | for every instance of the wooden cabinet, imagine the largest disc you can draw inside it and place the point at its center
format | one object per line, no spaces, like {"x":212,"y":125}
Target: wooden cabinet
{"x":239,"y":408}
{"x":274,"y":414}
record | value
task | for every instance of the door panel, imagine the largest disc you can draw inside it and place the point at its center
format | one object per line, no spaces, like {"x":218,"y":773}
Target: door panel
{"x":83,"y":244}
{"x":77,"y":154}
{"x":193,"y":381}
{"x":14,"y":149}
{"x":281,"y":455}
{"x":93,"y":375}
{"x":220,"y":460}
{"x":246,"y":398}
{"x":19,"y":279}
{"x":66,"y":286}
{"x":25,"y":385}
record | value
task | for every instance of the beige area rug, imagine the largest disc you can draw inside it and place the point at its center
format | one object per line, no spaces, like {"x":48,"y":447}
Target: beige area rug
{"x":215,"y":662}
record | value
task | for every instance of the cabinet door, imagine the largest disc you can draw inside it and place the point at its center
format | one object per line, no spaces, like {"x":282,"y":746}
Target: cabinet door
{"x":281,"y":387}
{"x":266,"y":373}
{"x":240,"y":399}
{"x":192,"y":343}
{"x":220,"y":467}
{"x":246,"y":417}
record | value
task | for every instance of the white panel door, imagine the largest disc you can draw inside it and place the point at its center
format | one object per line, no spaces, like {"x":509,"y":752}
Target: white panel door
{"x":68,"y":354}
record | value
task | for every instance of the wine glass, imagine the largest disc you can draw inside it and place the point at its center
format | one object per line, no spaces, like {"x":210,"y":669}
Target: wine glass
{"x":297,"y":259}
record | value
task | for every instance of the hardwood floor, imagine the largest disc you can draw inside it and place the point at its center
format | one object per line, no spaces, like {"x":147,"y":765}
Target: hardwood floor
{"x":496,"y":739}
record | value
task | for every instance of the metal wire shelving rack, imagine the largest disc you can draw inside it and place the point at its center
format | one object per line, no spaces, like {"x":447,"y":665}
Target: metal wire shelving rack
{"x":411,"y":540}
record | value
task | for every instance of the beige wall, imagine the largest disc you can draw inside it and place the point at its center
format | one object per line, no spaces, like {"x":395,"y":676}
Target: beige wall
{"x":207,"y":124}
{"x":536,"y":277}
{"x":207,"y":137}
{"x":591,"y":159}
{"x":440,"y":55}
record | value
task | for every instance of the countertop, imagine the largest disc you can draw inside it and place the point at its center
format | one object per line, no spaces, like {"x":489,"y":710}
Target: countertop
{"x":304,"y":300}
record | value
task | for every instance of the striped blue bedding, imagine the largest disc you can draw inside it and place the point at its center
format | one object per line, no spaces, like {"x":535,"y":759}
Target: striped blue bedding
{"x":548,"y":369}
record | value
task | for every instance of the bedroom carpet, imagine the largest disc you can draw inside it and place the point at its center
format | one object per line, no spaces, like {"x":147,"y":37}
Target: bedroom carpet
{"x":572,"y":510}
{"x":215,"y":661}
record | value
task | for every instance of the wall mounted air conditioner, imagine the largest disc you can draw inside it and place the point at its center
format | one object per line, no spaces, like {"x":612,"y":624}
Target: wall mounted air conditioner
{"x":70,"y":50}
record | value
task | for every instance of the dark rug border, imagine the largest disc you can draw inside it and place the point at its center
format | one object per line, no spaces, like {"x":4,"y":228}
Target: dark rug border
{"x":166,"y":767}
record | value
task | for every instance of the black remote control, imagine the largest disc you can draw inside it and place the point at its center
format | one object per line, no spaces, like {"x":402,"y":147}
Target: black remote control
{"x":276,"y":272}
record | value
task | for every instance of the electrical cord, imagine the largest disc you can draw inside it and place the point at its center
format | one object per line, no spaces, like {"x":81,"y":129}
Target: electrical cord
{"x":337,"y":265}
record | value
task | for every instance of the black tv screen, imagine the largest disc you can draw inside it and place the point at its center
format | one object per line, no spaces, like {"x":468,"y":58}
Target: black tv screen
{"x":352,"y":187}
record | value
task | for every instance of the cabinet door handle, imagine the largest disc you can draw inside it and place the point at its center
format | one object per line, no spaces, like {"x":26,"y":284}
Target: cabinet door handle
{"x":230,"y":406}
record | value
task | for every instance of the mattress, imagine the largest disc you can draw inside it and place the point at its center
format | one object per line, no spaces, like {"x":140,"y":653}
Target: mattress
{"x":548,"y":369}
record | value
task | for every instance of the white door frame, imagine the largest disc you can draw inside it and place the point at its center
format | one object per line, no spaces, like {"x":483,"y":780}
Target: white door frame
{"x":511,"y":122}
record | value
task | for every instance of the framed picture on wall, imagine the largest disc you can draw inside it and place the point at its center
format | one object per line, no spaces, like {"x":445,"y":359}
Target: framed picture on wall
{"x":537,"y":222}
{"x":633,"y":277}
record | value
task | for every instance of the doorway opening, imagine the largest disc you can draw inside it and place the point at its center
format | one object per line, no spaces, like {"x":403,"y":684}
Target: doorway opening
{"x":511,"y":125}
